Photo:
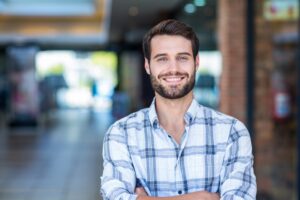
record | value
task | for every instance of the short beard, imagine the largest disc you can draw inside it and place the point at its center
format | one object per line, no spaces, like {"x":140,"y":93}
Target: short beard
{"x":173,"y":92}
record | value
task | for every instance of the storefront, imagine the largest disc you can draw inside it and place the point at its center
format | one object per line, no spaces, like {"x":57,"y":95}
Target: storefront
{"x":276,"y":56}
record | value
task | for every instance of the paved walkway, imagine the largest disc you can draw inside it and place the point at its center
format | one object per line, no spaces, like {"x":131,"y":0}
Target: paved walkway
{"x":61,"y":160}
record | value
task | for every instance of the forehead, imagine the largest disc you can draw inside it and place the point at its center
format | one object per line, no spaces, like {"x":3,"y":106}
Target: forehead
{"x":167,"y":44}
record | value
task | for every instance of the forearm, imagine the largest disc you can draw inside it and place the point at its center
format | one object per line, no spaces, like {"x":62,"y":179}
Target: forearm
{"x":203,"y":195}
{"x":238,"y":178}
{"x":118,"y":179}
{"x":116,"y":190}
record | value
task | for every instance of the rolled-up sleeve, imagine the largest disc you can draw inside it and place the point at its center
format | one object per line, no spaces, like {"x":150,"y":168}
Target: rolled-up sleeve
{"x":118,"y":179}
{"x":238,"y":181}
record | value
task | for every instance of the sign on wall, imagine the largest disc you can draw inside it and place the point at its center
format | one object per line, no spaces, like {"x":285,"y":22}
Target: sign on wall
{"x":281,"y":10}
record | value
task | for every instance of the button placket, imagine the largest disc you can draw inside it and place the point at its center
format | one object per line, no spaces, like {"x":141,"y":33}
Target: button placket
{"x":178,"y":178}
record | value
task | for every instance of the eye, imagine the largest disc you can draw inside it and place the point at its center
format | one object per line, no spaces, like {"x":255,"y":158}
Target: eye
{"x":182,"y":58}
{"x":162,"y":59}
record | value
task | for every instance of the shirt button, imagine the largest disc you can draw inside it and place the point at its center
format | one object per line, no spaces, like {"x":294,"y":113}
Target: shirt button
{"x":179,"y":192}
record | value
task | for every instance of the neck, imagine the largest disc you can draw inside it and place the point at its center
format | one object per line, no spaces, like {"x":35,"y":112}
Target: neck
{"x":171,"y":111}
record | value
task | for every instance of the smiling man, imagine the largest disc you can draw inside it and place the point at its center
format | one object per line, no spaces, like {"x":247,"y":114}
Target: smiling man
{"x":176,"y":149}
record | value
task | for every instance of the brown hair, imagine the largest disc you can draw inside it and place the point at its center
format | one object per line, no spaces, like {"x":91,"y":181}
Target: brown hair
{"x":170,"y":27}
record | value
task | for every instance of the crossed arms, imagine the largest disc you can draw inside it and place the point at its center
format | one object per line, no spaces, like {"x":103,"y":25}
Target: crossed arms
{"x":237,"y":179}
{"x":203,"y":195}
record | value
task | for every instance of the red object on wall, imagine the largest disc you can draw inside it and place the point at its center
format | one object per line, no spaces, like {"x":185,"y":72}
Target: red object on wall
{"x":281,"y":98}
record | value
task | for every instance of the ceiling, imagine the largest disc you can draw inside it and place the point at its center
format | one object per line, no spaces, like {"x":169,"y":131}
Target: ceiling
{"x":79,"y":22}
{"x":130,"y":19}
{"x":46,"y":7}
{"x":98,"y":23}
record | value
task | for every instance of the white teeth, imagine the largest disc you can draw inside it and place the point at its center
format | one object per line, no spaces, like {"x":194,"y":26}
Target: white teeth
{"x":173,"y":79}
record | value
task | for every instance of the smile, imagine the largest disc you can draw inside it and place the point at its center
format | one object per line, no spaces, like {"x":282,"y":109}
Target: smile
{"x":173,"y":79}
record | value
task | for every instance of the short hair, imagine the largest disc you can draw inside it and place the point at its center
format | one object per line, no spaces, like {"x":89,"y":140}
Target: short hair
{"x":170,"y":27}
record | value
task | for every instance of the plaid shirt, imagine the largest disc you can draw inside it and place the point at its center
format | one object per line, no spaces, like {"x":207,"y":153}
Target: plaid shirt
{"x":214,"y":155}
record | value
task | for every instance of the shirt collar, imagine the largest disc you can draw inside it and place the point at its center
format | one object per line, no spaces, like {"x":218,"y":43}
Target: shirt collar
{"x":188,"y":117}
{"x":191,"y":113}
{"x":153,"y":115}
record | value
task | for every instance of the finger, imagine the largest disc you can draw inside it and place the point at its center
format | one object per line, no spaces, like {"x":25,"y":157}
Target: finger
{"x":140,"y":191}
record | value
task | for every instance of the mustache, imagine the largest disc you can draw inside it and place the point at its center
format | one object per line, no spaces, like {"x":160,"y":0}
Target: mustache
{"x":173,"y":74}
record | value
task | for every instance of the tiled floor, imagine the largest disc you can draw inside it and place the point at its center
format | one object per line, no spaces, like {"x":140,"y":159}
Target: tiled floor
{"x":60,"y":160}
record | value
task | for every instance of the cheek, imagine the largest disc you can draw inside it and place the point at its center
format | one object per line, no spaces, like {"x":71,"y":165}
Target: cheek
{"x":154,"y":71}
{"x":187,"y":66}
{"x":192,"y":72}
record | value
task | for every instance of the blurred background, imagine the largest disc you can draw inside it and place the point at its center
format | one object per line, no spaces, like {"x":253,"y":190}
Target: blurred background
{"x":70,"y":68}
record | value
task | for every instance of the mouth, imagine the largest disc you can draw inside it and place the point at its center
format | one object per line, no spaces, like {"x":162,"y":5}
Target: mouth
{"x":173,"y":79}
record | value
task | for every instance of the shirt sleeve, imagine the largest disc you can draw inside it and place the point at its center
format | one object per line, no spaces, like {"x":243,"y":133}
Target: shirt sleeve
{"x":118,"y":179}
{"x":238,"y":181}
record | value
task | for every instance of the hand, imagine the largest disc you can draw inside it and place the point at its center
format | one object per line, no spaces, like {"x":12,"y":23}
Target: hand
{"x":202,"y":195}
{"x":140,"y":191}
{"x":207,"y":195}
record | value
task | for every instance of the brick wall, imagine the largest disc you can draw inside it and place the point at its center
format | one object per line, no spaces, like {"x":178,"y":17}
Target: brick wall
{"x":275,"y":143}
{"x":232,"y":43}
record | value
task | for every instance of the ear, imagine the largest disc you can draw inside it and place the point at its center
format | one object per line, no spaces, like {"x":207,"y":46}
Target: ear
{"x":146,"y":65}
{"x":197,"y":62}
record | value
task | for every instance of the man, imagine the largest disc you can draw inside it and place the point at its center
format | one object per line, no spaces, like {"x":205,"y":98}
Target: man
{"x":176,"y":149}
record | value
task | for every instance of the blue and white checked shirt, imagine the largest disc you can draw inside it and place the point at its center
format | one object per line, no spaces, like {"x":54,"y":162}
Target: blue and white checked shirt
{"x":214,"y":155}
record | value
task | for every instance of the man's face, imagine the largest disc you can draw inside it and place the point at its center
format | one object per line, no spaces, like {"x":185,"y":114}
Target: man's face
{"x":172,"y":66}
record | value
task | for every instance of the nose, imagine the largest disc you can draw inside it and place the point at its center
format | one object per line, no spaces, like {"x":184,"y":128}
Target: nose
{"x":173,"y":65}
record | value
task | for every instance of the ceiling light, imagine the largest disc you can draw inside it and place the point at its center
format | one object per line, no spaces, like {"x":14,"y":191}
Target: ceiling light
{"x":190,"y":8}
{"x":199,"y":3}
{"x":133,"y":11}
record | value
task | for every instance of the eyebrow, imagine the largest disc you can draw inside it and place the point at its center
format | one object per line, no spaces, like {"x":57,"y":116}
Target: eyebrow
{"x":185,"y":53}
{"x":164,"y":54}
{"x":159,"y":55}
